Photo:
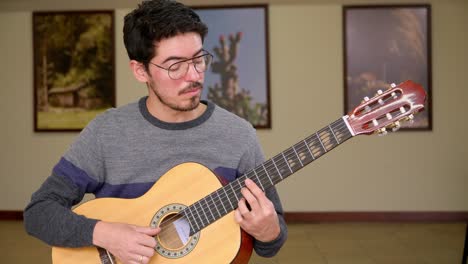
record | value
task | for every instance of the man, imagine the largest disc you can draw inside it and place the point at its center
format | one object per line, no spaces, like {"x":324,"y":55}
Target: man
{"x":122,"y":152}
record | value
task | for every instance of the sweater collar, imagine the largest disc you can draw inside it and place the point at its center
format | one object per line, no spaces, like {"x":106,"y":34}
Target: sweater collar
{"x":175,"y":126}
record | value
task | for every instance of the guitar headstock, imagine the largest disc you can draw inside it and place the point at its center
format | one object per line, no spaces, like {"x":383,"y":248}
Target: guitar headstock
{"x":387,"y":109}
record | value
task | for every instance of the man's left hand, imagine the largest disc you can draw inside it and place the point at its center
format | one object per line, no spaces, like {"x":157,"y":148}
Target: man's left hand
{"x":260,"y":220}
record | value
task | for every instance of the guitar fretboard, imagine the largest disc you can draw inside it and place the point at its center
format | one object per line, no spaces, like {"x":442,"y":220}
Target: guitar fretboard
{"x":224,"y":200}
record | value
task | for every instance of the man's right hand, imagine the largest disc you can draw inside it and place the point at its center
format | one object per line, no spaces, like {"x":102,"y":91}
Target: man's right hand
{"x":130,"y":244}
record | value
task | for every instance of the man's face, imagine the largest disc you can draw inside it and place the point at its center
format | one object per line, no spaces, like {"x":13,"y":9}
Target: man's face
{"x":182,"y":94}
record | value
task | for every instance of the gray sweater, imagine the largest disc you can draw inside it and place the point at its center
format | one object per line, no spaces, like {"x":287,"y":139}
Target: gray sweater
{"x":124,"y":151}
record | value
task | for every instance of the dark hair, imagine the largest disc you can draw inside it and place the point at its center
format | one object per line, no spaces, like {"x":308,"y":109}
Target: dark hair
{"x":154,"y":20}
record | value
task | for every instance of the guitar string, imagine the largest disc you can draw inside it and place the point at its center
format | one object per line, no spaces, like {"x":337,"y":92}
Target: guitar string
{"x":340,"y":129}
{"x":300,"y":148}
{"x":329,"y":144}
{"x":230,"y":195}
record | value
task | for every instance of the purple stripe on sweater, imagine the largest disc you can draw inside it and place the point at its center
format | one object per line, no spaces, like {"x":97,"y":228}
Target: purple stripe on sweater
{"x":227,"y":173}
{"x":89,"y":185}
{"x":133,"y":190}
{"x":78,"y":176}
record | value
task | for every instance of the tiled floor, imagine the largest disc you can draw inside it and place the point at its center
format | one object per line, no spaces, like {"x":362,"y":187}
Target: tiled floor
{"x":363,"y":243}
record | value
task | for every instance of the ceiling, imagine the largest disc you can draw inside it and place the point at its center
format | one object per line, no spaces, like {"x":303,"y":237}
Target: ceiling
{"x":35,"y":5}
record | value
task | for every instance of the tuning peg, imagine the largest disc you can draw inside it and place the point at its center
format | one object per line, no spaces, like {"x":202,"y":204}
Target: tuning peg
{"x":389,"y":116}
{"x":396,"y":126}
{"x":381,"y":102}
{"x":393,"y":85}
{"x":394,"y":95}
{"x":410,"y":119}
{"x":402,"y":110}
{"x":382,"y":131}
{"x":379,"y":92}
{"x":365,"y":99}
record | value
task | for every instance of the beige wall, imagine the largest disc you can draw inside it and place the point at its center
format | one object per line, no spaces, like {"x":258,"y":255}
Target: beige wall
{"x":404,"y":171}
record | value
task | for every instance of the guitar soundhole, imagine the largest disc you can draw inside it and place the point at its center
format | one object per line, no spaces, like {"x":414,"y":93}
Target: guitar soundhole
{"x":174,"y":240}
{"x":174,"y":231}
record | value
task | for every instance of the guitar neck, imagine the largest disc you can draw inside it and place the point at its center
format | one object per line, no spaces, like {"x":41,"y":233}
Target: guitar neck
{"x":224,"y":200}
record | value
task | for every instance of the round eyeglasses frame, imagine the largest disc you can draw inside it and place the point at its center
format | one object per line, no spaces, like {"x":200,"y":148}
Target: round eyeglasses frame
{"x":208,"y":58}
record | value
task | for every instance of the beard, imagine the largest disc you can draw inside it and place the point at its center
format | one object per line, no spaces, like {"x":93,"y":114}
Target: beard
{"x":193,"y":103}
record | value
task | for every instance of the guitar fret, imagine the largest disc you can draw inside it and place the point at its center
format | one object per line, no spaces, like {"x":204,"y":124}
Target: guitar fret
{"x":318,"y":137}
{"x":279,"y":169}
{"x":196,"y":222}
{"x":292,"y":157}
{"x":333,"y":133}
{"x":286,"y":161}
{"x":298,"y":158}
{"x":235,"y":194}
{"x":239,"y":182}
{"x":328,"y":134}
{"x":188,"y":218}
{"x":279,"y":172}
{"x":229,"y":200}
{"x":219,"y":198}
{"x":203,"y":211}
{"x":259,"y":181}
{"x":271,"y":171}
{"x":209,"y":209}
{"x":304,"y":153}
{"x":215,"y":206}
{"x":310,"y":151}
{"x":268,"y":176}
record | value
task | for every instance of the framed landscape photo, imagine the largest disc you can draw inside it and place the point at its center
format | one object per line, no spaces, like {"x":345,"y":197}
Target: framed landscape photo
{"x":74,"y":71}
{"x":385,"y":44}
{"x":239,"y":77}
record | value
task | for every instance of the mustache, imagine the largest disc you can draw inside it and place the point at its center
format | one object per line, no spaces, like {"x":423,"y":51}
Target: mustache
{"x":191,"y":86}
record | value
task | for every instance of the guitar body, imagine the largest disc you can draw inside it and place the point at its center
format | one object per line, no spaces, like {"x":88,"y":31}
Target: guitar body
{"x":221,"y":242}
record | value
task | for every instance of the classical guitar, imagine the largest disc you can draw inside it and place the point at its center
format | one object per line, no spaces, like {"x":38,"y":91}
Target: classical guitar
{"x":197,"y":221}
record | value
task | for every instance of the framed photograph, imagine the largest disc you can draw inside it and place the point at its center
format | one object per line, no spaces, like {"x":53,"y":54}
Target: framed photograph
{"x":74,"y":69}
{"x":387,"y":44}
{"x":239,"y":77}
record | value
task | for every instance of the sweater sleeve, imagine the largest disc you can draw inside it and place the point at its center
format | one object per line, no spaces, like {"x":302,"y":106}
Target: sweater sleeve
{"x":252,"y":158}
{"x":48,"y":216}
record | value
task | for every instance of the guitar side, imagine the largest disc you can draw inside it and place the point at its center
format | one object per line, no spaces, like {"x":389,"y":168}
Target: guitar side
{"x":220,"y":242}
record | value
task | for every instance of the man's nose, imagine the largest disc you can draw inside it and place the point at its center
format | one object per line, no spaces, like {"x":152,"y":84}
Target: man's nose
{"x":192,"y":73}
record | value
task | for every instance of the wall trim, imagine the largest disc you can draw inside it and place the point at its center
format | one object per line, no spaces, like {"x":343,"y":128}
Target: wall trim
{"x":317,"y":217}
{"x":11,"y":215}
{"x":405,"y":216}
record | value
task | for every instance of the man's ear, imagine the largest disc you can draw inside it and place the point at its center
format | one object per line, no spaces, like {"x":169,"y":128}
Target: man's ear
{"x":139,"y":71}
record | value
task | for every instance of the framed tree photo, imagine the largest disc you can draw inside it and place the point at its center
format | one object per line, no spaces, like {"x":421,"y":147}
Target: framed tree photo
{"x":385,"y":44}
{"x":74,"y":68}
{"x":239,"y":77}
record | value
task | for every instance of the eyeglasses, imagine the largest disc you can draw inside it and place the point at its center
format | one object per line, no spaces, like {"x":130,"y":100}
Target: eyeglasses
{"x":179,"y":69}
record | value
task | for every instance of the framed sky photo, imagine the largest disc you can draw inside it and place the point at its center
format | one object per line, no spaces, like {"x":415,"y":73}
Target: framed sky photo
{"x":74,"y":68}
{"x":387,"y":44}
{"x":239,"y":76}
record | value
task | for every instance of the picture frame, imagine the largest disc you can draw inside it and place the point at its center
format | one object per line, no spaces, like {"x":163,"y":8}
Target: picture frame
{"x":385,"y":44}
{"x":74,"y":68}
{"x":239,"y":76}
